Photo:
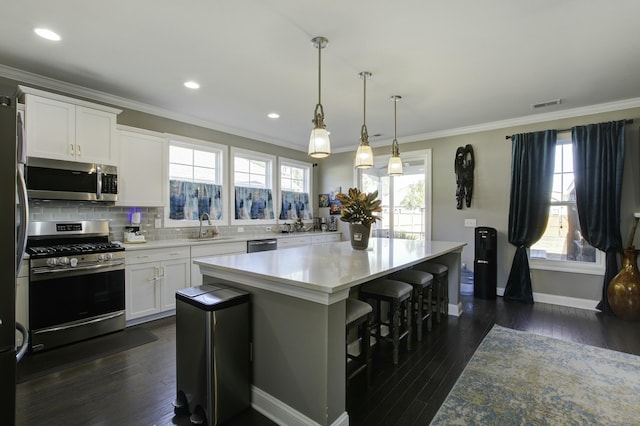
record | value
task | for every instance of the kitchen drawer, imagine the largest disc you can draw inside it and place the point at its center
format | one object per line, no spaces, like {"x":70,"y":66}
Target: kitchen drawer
{"x":156,"y":255}
{"x":333,"y":237}
{"x":285,"y":242}
{"x":218,"y":249}
{"x":318,"y":239}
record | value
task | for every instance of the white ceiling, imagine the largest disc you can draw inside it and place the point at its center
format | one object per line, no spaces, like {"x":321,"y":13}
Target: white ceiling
{"x":457,"y":64}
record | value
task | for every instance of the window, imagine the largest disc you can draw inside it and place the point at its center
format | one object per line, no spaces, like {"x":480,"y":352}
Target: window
{"x":295,"y":191}
{"x":562,"y":247}
{"x":253,"y":183}
{"x":196,"y":183}
{"x":405,"y":199}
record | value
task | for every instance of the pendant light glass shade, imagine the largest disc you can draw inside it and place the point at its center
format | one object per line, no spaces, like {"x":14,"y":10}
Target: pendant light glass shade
{"x":364,"y":154}
{"x":319,"y":143}
{"x":395,"y":162}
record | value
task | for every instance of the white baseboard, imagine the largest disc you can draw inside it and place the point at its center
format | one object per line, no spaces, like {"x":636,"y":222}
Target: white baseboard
{"x":280,"y":413}
{"x":553,"y":299}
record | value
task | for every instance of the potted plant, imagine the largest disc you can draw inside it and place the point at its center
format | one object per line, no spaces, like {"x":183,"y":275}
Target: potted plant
{"x":358,"y":210}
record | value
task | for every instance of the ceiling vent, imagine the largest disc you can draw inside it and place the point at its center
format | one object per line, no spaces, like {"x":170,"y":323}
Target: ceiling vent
{"x":546,"y":104}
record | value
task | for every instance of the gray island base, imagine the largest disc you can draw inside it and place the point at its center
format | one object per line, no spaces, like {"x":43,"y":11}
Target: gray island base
{"x":298,"y":317}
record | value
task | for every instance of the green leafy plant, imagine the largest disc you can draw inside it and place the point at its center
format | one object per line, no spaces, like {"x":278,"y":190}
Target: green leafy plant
{"x":359,"y":207}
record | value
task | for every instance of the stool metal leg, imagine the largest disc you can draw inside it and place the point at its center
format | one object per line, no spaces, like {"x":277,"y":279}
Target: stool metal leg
{"x":429,"y":304}
{"x":419,"y":313}
{"x":396,"y":331}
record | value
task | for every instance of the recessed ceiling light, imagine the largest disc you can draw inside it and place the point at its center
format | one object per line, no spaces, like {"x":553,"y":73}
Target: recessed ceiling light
{"x":273,"y":115}
{"x":191,"y":85}
{"x":48,"y":34}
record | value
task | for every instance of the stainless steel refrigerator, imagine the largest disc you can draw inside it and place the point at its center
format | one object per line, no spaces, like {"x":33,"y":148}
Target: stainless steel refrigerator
{"x":14,"y":214}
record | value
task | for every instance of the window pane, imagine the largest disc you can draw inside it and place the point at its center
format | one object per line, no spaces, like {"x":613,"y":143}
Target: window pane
{"x":562,"y":239}
{"x":180,"y":155}
{"x":177,"y":171}
{"x":201,"y":174}
{"x":285,"y":172}
{"x":242,"y":179}
{"x":258,"y":167}
{"x":204,"y":158}
{"x":241,"y":164}
{"x":567,"y":158}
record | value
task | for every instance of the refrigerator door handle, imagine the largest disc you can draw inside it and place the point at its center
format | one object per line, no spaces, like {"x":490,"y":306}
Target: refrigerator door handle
{"x":21,"y":238}
{"x":25,"y":341}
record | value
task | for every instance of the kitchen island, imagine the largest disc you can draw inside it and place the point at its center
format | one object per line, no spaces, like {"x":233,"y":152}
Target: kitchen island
{"x":298,"y":316}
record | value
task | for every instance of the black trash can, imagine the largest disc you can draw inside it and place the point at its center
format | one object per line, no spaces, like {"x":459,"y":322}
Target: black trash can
{"x":213,"y":366}
{"x":485,"y":268}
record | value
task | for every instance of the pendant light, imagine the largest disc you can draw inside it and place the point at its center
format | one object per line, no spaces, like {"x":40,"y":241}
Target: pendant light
{"x":319,"y":144}
{"x":364,"y":154}
{"x":395,"y":163}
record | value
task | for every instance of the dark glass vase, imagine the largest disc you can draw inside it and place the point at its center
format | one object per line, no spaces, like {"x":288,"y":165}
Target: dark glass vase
{"x":624,"y":289}
{"x":359,"y":235}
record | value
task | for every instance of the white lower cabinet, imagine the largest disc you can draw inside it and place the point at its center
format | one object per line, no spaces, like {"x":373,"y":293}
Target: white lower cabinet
{"x":152,"y":278}
{"x":208,"y":250}
{"x":325,"y":238}
{"x":286,"y":242}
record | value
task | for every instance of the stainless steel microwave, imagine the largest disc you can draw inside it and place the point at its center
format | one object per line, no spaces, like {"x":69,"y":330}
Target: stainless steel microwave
{"x":70,"y":180}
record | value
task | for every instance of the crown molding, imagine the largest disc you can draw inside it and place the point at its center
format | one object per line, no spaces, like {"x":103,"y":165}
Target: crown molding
{"x":514,"y":122}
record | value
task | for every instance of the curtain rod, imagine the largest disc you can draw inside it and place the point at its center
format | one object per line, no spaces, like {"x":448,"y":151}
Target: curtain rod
{"x":566,"y":130}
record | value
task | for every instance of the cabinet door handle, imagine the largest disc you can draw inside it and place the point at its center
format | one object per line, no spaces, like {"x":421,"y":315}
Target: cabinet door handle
{"x":72,"y":149}
{"x":141,"y":257}
{"x":79,"y":152}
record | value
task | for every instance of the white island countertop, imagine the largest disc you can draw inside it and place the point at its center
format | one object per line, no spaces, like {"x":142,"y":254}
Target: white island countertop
{"x":319,"y":272}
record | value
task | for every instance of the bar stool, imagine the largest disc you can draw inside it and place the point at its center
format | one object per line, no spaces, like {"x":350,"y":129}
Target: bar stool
{"x":441,"y":280}
{"x":358,"y":317}
{"x":421,"y":282}
{"x":398,"y":295}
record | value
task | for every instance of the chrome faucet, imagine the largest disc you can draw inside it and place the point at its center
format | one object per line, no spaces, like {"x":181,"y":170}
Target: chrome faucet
{"x":200,"y":234}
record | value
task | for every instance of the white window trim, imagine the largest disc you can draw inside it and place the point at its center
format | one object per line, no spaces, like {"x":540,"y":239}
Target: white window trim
{"x":187,"y":142}
{"x":576,"y":267}
{"x":261,"y":156}
{"x":309,"y":180}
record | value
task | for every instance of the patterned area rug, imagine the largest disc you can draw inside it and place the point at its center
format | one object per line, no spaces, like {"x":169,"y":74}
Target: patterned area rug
{"x":519,"y":378}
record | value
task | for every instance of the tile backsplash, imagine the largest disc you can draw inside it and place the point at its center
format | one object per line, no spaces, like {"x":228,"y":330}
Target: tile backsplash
{"x":118,"y":217}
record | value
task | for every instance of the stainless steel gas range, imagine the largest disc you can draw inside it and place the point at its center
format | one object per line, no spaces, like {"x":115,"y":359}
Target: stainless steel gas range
{"x":76,"y":282}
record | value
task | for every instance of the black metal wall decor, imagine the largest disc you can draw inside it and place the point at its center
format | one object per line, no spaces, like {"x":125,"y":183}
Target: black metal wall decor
{"x":463,"y":166}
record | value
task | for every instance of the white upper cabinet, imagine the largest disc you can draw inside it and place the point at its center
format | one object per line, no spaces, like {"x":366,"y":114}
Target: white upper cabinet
{"x":142,"y":168}
{"x":63,"y":128}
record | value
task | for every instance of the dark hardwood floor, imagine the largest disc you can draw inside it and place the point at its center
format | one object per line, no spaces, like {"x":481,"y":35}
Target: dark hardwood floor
{"x":136,"y":387}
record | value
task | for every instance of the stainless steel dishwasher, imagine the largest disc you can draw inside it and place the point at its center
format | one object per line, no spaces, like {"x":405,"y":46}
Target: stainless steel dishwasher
{"x":262,"y":245}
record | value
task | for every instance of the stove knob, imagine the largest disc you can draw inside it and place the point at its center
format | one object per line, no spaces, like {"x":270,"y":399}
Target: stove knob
{"x":63,"y":261}
{"x":108,"y":256}
{"x":73,"y":262}
{"x":52,"y":261}
{"x":99,"y":258}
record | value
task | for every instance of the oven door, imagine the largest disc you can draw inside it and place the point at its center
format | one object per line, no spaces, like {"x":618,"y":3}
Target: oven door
{"x":67,"y":306}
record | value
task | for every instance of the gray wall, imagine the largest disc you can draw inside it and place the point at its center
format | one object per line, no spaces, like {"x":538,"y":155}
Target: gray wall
{"x":490,"y":204}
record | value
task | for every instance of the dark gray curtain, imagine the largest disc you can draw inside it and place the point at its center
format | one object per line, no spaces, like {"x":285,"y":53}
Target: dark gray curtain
{"x":598,"y":163}
{"x":532,"y":166}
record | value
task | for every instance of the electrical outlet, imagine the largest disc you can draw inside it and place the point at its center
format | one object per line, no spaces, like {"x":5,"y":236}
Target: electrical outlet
{"x":268,"y":229}
{"x":158,"y":223}
{"x":240,"y":229}
{"x":470,"y":223}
